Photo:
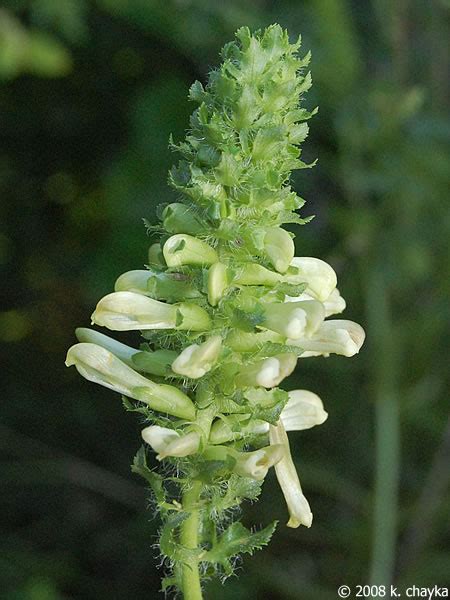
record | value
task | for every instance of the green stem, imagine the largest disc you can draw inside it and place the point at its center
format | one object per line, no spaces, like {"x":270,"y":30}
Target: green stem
{"x":190,"y":576}
{"x":387,"y":434}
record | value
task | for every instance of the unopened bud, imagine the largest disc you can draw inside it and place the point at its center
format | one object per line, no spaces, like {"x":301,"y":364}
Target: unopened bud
{"x":167,"y":442}
{"x":196,"y":360}
{"x":217,"y":282}
{"x":134,"y":281}
{"x":279,"y":248}
{"x":182,"y":249}
{"x":254,"y":274}
{"x":179,"y":218}
{"x":155,"y":256}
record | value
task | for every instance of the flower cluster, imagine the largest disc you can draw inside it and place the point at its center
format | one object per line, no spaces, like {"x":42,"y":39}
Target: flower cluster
{"x":224,"y":306}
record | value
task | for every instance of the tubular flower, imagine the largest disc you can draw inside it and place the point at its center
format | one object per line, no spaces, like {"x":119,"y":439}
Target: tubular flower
{"x":183,"y":249}
{"x":101,"y":366}
{"x":298,"y":507}
{"x":125,"y":311}
{"x":333,"y":337}
{"x":225,"y":310}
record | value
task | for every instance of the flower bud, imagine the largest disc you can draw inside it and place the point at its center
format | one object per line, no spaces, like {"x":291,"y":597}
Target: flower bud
{"x":294,"y":319}
{"x":101,"y":366}
{"x":332,"y":337}
{"x":155,"y":256}
{"x":279,"y":248}
{"x":217,"y":282}
{"x":256,"y":464}
{"x":298,"y":507}
{"x":179,"y":218}
{"x":196,"y":360}
{"x":134,"y":281}
{"x":124,"y":311}
{"x":167,"y":442}
{"x":267,"y":373}
{"x":319,"y":276}
{"x":191,"y":317}
{"x":122,"y":351}
{"x":182,"y":249}
{"x":254,"y":274}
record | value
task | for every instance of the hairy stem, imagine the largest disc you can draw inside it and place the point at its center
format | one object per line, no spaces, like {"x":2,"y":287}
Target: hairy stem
{"x":190,"y":576}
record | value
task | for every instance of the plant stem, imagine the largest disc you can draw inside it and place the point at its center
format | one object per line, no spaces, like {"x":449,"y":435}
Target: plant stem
{"x":190,"y":576}
{"x":387,"y":434}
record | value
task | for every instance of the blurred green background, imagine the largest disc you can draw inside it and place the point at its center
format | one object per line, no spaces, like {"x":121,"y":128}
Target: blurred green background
{"x":89,"y":93}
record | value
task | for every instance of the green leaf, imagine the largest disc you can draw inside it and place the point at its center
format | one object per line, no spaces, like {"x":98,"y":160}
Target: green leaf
{"x":247,"y":321}
{"x":237,"y":539}
{"x":269,"y":349}
{"x":169,"y":545}
{"x":197,"y":92}
{"x":155,"y":480}
{"x":267,"y":404}
{"x":209,"y":471}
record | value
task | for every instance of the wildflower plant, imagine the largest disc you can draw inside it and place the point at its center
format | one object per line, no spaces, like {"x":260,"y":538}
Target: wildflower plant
{"x":225,"y":310}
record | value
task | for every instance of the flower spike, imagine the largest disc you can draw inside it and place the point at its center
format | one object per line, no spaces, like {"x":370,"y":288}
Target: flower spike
{"x":224,"y":310}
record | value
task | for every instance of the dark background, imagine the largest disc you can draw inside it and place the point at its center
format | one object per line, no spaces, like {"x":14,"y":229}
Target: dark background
{"x":89,"y":93}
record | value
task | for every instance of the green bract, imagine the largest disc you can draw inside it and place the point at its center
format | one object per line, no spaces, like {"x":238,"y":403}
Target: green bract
{"x":226,"y":310}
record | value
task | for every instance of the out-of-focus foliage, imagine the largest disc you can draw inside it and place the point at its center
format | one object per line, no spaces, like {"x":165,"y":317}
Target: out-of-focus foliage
{"x":32,"y":51}
{"x":90,"y":92}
